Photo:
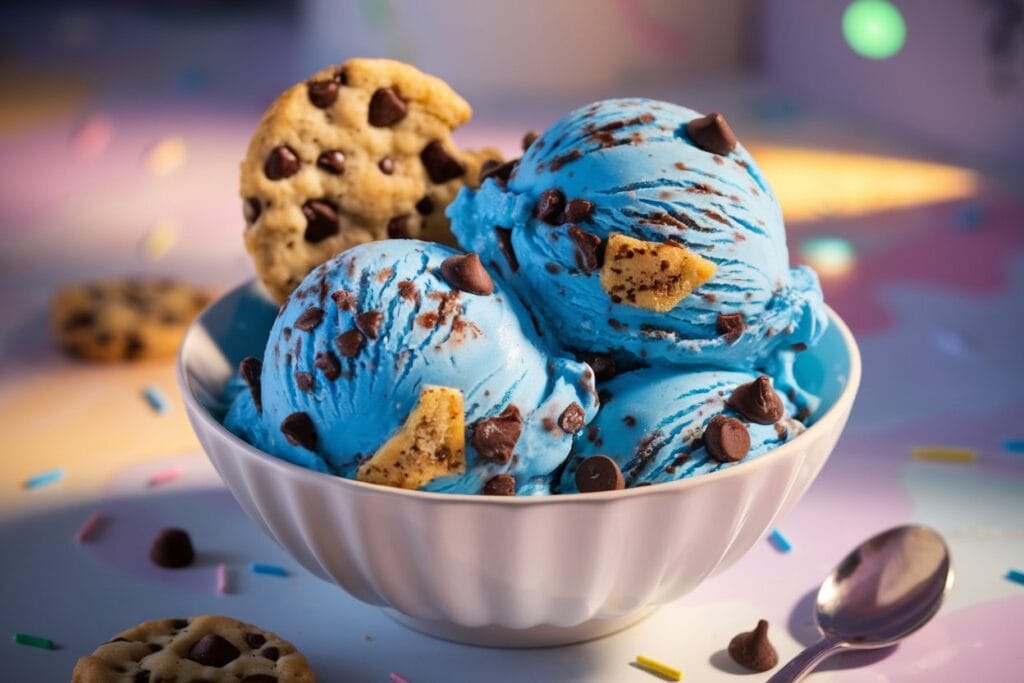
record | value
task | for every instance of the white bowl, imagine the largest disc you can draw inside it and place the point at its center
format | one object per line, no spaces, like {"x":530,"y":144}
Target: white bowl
{"x":500,"y":571}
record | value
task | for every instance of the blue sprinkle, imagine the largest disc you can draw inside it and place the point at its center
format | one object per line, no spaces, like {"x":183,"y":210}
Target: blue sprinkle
{"x":44,"y":479}
{"x":156,"y":399}
{"x":1015,"y":576}
{"x":969,"y":216}
{"x":271,"y":569}
{"x":780,"y":542}
{"x":1014,"y":446}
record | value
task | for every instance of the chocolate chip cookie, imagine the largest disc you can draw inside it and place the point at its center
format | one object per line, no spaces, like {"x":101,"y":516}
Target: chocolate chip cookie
{"x":207,"y":648}
{"x":125,"y":320}
{"x":359,"y":152}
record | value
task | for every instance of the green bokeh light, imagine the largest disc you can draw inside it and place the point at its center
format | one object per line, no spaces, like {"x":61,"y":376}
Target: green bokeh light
{"x":874,"y":28}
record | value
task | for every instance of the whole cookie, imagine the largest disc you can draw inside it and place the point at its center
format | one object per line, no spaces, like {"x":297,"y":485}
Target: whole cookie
{"x":359,"y":152}
{"x":207,"y":648}
{"x":118,"y":320}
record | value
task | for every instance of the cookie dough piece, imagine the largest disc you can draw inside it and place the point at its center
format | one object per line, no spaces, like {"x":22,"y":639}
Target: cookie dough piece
{"x":124,"y":320}
{"x":206,"y":648}
{"x":359,"y":152}
{"x":651,"y":275}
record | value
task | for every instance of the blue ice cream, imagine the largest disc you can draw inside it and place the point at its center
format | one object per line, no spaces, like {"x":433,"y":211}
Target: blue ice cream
{"x":632,"y":168}
{"x":398,"y":353}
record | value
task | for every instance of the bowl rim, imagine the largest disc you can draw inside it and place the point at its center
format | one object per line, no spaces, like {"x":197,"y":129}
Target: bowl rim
{"x":842,"y":404}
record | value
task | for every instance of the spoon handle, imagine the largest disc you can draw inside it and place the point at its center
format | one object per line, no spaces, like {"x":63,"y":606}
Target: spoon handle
{"x":803,"y":663}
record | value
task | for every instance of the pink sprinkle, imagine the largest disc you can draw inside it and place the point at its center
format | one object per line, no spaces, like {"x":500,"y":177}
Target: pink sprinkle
{"x":93,"y":136}
{"x":84,"y":534}
{"x":166,"y":476}
{"x":222,"y":579}
{"x":395,"y":678}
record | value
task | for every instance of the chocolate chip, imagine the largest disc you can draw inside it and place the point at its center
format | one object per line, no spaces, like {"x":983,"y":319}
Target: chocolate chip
{"x":309,"y":319}
{"x":500,"y":485}
{"x":562,"y":159}
{"x":441,"y":166}
{"x":213,"y":650}
{"x":271,"y":653}
{"x":133,"y":346}
{"x":255,"y":640}
{"x":282,"y":162}
{"x":407,"y":290}
{"x":299,"y":430}
{"x":155,"y":647}
{"x":398,"y":227}
{"x":730,"y":326}
{"x":251,"y":209}
{"x":572,"y":418}
{"x":141,"y":676}
{"x":321,"y":220}
{"x":465,"y":272}
{"x":578,"y":210}
{"x":172,"y":549}
{"x":599,"y":473}
{"x":259,"y":678}
{"x":369,"y":323}
{"x":501,"y":172}
{"x":712,"y":134}
{"x":327,"y":363}
{"x":322,"y":93}
{"x":349,"y":343}
{"x":304,"y":381}
{"x":494,"y":438}
{"x":757,"y":401}
{"x":178,"y":624}
{"x":386,"y":108}
{"x":487,"y":168}
{"x":752,"y":650}
{"x":249,"y":370}
{"x":425,"y":206}
{"x":80,"y":320}
{"x":588,"y":249}
{"x":332,"y":161}
{"x":529,"y":138}
{"x":504,"y":236}
{"x":603,"y":366}
{"x":726,"y":439}
{"x":344,"y":300}
{"x":550,"y":207}
{"x":386,"y":165}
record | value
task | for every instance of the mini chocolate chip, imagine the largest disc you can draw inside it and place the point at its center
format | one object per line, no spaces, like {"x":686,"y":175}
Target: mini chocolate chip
{"x":251,"y":209}
{"x":309,"y":319}
{"x":500,"y":485}
{"x":344,"y":300}
{"x":172,"y":549}
{"x":599,"y":473}
{"x":501,"y":172}
{"x":255,"y":640}
{"x":465,"y":272}
{"x":133,"y":346}
{"x":213,"y":650}
{"x":282,"y":162}
{"x":757,"y":401}
{"x":726,"y":439}
{"x":179,"y":624}
{"x":369,"y":323}
{"x":441,"y":166}
{"x":504,"y":236}
{"x":299,"y":430}
{"x":259,"y":678}
{"x":799,"y":346}
{"x":154,"y":647}
{"x":588,"y":249}
{"x":271,"y":653}
{"x":321,"y":220}
{"x":425,"y":206}
{"x":712,"y":134}
{"x":249,"y":370}
{"x":603,"y":366}
{"x":327,"y":363}
{"x":730,"y":326}
{"x":407,"y":290}
{"x":398,"y":227}
{"x":752,"y":650}
{"x":332,"y":161}
{"x":550,"y":207}
{"x":578,"y":210}
{"x":349,"y":343}
{"x":529,"y":138}
{"x":572,"y":418}
{"x":386,"y":108}
{"x":304,"y":381}
{"x":494,"y":438}
{"x":322,"y":93}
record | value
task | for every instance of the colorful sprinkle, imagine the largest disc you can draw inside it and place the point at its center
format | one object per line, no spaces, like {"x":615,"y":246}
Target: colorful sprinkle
{"x":93,"y":136}
{"x":1016,"y":576}
{"x":166,"y":476}
{"x":830,"y":256}
{"x":160,"y":239}
{"x":42,"y":479}
{"x":270,"y":569}
{"x":1014,"y":446}
{"x":395,"y":678}
{"x":156,"y":399}
{"x":166,"y":156}
{"x":664,"y":670}
{"x":85,"y":534}
{"x":941,"y":454}
{"x":34,"y":641}
{"x":779,"y":541}
{"x":222,"y":579}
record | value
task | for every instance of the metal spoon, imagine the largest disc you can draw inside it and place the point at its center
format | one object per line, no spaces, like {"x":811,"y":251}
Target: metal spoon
{"x":886,"y":589}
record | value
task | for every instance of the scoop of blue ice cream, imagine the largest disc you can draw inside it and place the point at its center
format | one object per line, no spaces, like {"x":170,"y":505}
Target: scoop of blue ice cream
{"x":360,"y":339}
{"x":652,"y":423}
{"x":629,"y":166}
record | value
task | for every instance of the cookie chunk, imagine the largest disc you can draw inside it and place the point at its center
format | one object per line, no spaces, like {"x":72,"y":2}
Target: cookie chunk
{"x":124,"y":320}
{"x":651,"y":275}
{"x":207,"y":648}
{"x":359,"y":152}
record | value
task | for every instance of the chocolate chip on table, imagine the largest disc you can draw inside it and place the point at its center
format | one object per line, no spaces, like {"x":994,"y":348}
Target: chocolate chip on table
{"x":304,"y":381}
{"x":282,"y":162}
{"x":529,"y":138}
{"x":255,"y":640}
{"x":321,"y":220}
{"x":386,"y":108}
{"x":440,"y":164}
{"x":309,"y":319}
{"x":727,"y":439}
{"x":500,"y":485}
{"x":752,"y":649}
{"x":504,"y":236}
{"x":349,"y":343}
{"x":213,"y":650}
{"x":172,"y":549}
{"x":299,"y":430}
{"x":327,"y":363}
{"x":369,"y":323}
{"x":425,"y":206}
{"x":550,"y":207}
{"x":599,"y":473}
{"x":757,"y":401}
{"x":322,"y":93}
{"x":578,"y":210}
{"x":494,"y":438}
{"x":588,"y":249}
{"x":465,"y":272}
{"x":602,"y":365}
{"x":572,"y":418}
{"x":332,"y":161}
{"x":249,"y":370}
{"x":712,"y":134}
{"x":251,"y":209}
{"x":730,"y":326}
{"x":398,"y":227}
{"x":386,"y":165}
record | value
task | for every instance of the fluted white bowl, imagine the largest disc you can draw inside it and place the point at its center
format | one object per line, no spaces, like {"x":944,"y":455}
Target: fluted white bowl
{"x":506,"y":571}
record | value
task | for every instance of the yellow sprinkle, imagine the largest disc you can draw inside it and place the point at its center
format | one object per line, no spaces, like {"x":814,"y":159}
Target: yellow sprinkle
{"x":166,"y":156}
{"x":663,"y":670}
{"x":943,"y":454}
{"x":158,"y":241}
